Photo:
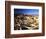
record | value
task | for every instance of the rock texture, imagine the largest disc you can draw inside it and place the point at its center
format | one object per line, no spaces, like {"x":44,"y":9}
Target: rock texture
{"x":26,"y":22}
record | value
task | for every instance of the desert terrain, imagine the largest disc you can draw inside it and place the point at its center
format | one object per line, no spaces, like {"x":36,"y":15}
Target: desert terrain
{"x":26,"y":22}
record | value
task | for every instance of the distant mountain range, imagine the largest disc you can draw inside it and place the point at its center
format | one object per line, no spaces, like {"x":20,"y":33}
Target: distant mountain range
{"x":25,"y":14}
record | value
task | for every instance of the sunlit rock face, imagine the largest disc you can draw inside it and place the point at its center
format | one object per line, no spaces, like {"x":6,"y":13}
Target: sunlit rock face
{"x":26,"y":22}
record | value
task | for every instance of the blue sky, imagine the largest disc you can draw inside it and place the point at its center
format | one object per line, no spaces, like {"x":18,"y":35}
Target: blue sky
{"x":26,"y":11}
